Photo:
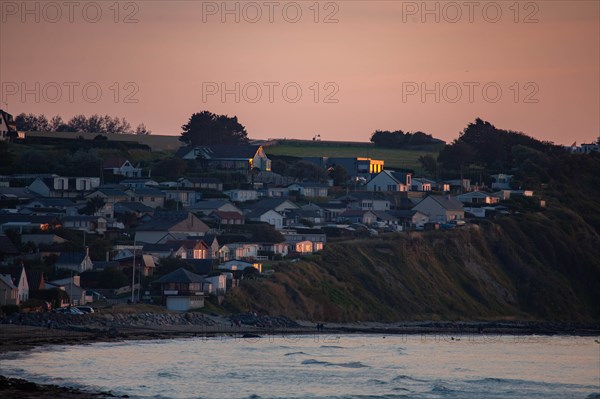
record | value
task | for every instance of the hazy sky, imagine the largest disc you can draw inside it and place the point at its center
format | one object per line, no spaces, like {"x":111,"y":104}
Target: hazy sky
{"x":296,"y":69}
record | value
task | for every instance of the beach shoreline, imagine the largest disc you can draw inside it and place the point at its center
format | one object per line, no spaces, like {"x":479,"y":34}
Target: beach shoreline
{"x":17,"y":339}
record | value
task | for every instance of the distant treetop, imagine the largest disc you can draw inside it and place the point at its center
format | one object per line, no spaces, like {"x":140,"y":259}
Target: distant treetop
{"x":206,"y":128}
{"x":399,"y":139}
{"x":78,"y":124}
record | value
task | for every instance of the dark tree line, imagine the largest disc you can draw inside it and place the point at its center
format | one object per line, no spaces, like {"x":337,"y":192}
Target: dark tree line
{"x":483,"y":144}
{"x":206,"y":128}
{"x":399,"y":139}
{"x":78,"y":124}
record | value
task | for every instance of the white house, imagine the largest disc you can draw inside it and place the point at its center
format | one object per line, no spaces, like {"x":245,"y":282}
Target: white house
{"x":238,"y":251}
{"x":501,"y":181}
{"x":268,"y":216}
{"x":79,"y":262}
{"x":311,"y":190}
{"x":242,"y":195}
{"x":235,"y":265}
{"x":477,"y":197}
{"x":388,"y":180}
{"x":121,"y":166}
{"x":89,"y":224}
{"x":18,"y":278}
{"x":421,"y":184}
{"x":441,"y":209}
{"x":218,"y":284}
{"x":8,"y":128}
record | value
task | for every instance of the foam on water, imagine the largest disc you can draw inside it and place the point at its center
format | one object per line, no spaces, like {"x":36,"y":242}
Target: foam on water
{"x":309,"y":368}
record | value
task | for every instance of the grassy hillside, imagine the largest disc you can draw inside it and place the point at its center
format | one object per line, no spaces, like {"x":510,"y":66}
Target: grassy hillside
{"x":532,"y":268}
{"x":394,"y":158}
{"x":155,"y":142}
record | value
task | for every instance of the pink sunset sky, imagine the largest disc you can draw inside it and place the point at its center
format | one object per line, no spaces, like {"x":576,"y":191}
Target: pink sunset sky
{"x":296,"y":69}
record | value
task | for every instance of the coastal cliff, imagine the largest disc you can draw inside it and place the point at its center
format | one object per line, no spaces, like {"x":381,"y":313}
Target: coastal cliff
{"x":537,"y":266}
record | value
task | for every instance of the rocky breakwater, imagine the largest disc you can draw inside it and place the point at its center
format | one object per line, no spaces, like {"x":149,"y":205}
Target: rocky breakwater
{"x":105,"y":321}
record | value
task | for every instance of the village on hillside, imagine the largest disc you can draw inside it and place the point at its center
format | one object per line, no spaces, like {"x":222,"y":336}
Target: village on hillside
{"x":125,"y":236}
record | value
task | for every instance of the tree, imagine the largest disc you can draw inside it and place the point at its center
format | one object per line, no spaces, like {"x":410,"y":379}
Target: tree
{"x":206,"y":128}
{"x":339,"y":175}
{"x":92,"y":206}
{"x":170,"y":168}
{"x":429,"y":164}
{"x":141,"y":130}
{"x":111,"y":277}
{"x":84,"y":163}
{"x":305,"y":170}
{"x":78,"y":123}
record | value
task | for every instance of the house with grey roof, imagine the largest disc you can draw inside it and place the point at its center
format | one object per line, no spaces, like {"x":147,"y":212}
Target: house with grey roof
{"x":228,"y":157}
{"x":89,"y":224}
{"x":208,"y":206}
{"x":440,"y":208}
{"x":183,"y":290}
{"x":167,"y":226}
{"x":149,"y":196}
{"x":79,"y":262}
{"x":204,"y":183}
{"x":388,"y":180}
{"x":121,"y":166}
{"x":310,"y":190}
{"x":9,"y":293}
{"x":19,"y":279}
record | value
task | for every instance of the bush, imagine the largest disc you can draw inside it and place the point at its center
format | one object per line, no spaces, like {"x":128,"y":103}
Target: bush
{"x":9,"y":309}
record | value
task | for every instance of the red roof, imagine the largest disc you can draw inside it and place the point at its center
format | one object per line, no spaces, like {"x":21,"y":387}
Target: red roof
{"x":114,"y":162}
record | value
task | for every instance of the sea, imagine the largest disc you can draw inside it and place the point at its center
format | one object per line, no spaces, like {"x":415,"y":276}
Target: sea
{"x":324,"y":366}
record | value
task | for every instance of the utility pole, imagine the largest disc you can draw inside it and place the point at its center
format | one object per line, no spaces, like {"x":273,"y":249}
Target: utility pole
{"x":133,"y":272}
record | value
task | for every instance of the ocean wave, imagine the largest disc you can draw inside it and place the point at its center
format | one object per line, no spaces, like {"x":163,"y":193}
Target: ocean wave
{"x":404,"y":377}
{"x":374,"y":381}
{"x":295,"y":353}
{"x":352,"y":365}
{"x":332,"y":347}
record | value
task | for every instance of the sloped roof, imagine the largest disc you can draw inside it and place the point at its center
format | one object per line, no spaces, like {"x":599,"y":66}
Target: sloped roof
{"x":113,"y":192}
{"x":210,"y":204}
{"x":121,"y":207}
{"x":69,"y":258}
{"x":7,"y":279}
{"x":201,"y":179}
{"x":170,"y":246}
{"x":228,"y":151}
{"x":447,"y":202}
{"x":53,"y":202}
{"x":148,"y":191}
{"x":14,"y":272}
{"x":180,"y":275}
{"x":257,"y":213}
{"x":384,"y":215}
{"x":270,"y":203}
{"x":114,"y":162}
{"x":227,"y":215}
{"x":7,"y":247}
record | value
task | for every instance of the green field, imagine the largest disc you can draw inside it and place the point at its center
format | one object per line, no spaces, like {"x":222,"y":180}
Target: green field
{"x":393,"y":158}
{"x":156,"y":142}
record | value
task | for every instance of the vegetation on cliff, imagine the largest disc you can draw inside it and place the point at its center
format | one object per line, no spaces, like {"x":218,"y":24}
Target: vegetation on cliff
{"x":537,"y":263}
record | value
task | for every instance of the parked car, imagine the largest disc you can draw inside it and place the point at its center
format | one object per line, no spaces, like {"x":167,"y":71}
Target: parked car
{"x":85,"y":309}
{"x":69,"y":310}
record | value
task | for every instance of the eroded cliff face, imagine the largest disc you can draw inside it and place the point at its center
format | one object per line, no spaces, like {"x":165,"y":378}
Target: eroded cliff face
{"x":523,"y":267}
